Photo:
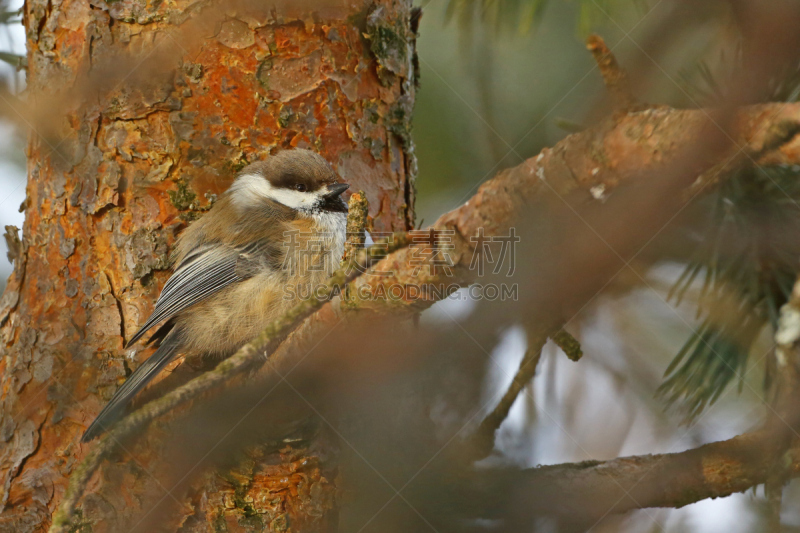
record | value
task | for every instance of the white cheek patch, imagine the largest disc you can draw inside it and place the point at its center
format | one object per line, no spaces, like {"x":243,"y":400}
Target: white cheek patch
{"x":249,"y":189}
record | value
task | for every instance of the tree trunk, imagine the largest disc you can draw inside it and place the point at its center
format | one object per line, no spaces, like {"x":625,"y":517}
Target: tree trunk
{"x":145,"y":112}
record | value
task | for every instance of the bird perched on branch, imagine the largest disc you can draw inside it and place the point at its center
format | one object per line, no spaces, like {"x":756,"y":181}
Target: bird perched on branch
{"x":274,"y":235}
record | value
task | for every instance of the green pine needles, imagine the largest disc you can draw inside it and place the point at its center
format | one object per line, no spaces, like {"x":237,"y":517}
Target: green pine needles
{"x":746,"y":252}
{"x":524,"y":15}
{"x":746,"y":256}
{"x":519,"y":15}
{"x":10,"y":17}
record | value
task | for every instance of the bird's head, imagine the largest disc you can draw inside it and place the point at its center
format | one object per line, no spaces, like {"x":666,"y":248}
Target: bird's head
{"x":298,"y":179}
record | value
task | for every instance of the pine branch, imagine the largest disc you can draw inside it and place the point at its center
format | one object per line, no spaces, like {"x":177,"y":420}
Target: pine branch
{"x":748,"y":272}
{"x":576,"y":165}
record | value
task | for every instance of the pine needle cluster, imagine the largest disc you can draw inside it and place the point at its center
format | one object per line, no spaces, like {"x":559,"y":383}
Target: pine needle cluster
{"x":745,"y":259}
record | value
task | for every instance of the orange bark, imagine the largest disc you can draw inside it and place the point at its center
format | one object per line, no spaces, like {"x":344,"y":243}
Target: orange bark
{"x":146,"y":110}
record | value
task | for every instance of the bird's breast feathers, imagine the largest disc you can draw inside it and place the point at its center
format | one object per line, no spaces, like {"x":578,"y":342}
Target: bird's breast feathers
{"x":333,"y":227}
{"x":310,"y":251}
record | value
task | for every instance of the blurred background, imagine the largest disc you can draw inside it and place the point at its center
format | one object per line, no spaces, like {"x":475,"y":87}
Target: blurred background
{"x":12,"y":142}
{"x":500,"y":81}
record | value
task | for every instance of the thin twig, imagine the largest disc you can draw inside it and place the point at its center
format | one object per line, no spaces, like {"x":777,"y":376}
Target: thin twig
{"x":358,"y":211}
{"x":568,"y":344}
{"x":482,"y":440}
{"x":247,"y":357}
{"x":777,"y":135}
{"x":614,"y":76}
{"x":773,"y":489}
{"x":357,"y":218}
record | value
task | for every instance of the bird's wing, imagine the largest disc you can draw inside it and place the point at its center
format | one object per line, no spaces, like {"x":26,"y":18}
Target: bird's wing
{"x":204,"y":271}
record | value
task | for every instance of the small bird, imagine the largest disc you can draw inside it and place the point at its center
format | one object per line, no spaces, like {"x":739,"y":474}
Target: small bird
{"x":276,"y":233}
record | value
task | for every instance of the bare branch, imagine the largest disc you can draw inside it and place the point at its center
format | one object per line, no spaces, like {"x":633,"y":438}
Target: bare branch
{"x":483,"y":439}
{"x":588,"y":491}
{"x":614,"y":76}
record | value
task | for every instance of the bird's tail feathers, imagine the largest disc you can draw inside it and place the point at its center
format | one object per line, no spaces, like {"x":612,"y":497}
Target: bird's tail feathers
{"x":115,"y":408}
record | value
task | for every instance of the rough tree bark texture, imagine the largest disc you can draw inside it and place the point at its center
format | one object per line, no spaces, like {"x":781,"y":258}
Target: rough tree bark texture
{"x":166,"y":101}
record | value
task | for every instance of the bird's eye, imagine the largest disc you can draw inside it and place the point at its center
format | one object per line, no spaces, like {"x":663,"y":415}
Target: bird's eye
{"x":300,"y":187}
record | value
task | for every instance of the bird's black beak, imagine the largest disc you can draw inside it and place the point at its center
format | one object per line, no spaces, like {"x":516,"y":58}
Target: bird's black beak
{"x":336,"y":190}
